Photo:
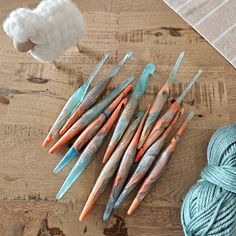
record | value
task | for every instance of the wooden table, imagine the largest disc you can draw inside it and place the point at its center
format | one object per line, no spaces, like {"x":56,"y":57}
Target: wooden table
{"x":32,"y":93}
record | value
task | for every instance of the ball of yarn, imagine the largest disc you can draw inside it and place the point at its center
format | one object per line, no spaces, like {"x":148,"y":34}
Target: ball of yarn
{"x":209,"y":208}
{"x":53,"y":26}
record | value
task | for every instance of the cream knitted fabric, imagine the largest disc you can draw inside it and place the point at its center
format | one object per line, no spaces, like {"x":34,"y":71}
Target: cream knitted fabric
{"x":53,"y":26}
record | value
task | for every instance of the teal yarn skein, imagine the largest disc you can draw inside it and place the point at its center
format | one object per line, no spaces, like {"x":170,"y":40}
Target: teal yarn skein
{"x":209,"y":208}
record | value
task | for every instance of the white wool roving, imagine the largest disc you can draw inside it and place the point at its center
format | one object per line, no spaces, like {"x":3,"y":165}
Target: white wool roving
{"x":53,"y":26}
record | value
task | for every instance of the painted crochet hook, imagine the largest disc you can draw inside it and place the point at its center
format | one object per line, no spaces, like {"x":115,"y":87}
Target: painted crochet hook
{"x":146,"y":162}
{"x":94,"y":94}
{"x":90,"y":131}
{"x":124,"y":168}
{"x":91,"y":114}
{"x":156,"y":147}
{"x":165,"y":120}
{"x":90,"y":151}
{"x":159,"y":102}
{"x":129,"y":110}
{"x":110,"y":167}
{"x":159,"y":166}
{"x":73,"y":102}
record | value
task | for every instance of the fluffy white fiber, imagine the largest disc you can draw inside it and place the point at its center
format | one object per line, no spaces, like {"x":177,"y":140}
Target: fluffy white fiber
{"x":53,"y":26}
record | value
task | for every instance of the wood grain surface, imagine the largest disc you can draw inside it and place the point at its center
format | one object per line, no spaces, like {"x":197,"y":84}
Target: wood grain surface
{"x":32,"y":94}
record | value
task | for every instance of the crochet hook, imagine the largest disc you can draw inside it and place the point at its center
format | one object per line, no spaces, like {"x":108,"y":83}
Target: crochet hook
{"x":91,"y":114}
{"x":159,"y":166}
{"x":159,"y":102}
{"x":89,"y":132}
{"x":124,"y":168}
{"x":73,"y":102}
{"x":147,"y":161}
{"x":94,"y":94}
{"x":165,"y":120}
{"x":129,"y":109}
{"x":110,"y":167}
{"x":90,"y":151}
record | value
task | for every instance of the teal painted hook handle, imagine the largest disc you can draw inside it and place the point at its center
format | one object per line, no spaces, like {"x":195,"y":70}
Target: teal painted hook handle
{"x":143,"y":81}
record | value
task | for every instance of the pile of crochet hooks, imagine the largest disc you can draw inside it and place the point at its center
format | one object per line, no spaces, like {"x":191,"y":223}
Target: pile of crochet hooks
{"x":138,"y":137}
